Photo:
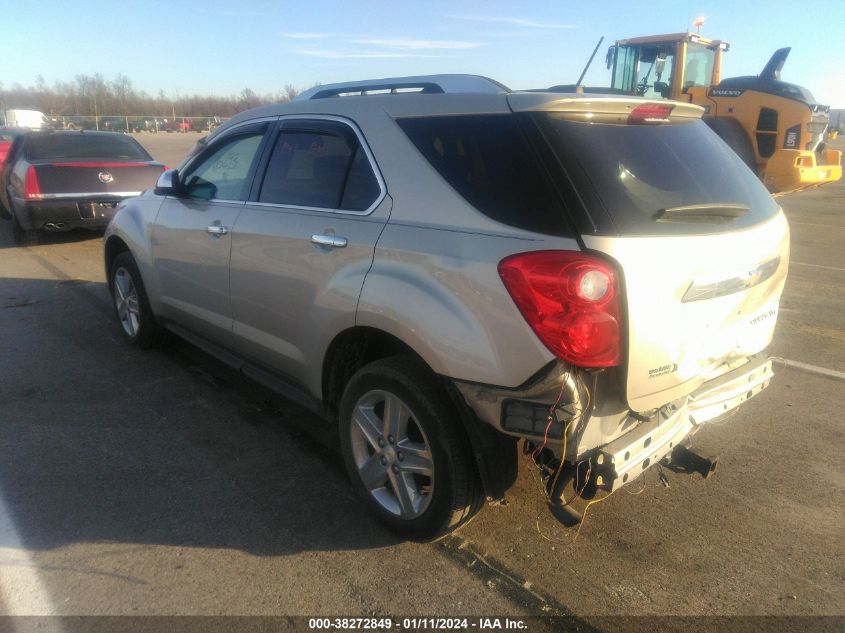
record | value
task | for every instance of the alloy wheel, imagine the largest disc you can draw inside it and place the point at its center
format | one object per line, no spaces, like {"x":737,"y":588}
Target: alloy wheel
{"x":392,"y":454}
{"x":126,"y":302}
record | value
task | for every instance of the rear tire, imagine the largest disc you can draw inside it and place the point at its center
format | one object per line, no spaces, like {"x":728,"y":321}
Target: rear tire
{"x":131,"y":306}
{"x":405,"y":451}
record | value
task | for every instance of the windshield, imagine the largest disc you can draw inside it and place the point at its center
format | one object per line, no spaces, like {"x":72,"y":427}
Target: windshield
{"x":645,"y":71}
{"x":98,"y":146}
{"x":638,"y":172}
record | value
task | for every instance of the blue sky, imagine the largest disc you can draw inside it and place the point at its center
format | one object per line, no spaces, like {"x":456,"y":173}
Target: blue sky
{"x":213,"y":47}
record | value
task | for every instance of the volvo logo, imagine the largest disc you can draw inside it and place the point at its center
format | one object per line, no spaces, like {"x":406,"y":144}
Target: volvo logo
{"x":105,"y":177}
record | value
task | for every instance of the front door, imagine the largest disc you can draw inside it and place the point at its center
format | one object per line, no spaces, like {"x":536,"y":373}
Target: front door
{"x":192,"y":238}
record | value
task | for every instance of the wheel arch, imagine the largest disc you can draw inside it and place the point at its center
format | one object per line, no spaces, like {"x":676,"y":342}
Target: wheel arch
{"x":494,"y":453}
{"x":114,"y":246}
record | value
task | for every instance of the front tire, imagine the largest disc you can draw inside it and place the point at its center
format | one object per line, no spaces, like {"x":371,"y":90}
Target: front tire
{"x":405,"y":451}
{"x":129,"y":298}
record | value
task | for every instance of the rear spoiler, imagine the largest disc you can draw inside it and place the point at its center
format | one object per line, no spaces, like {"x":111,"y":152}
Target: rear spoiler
{"x":605,"y":109}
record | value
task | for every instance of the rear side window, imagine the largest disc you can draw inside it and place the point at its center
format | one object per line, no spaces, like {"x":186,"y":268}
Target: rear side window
{"x":52,"y":146}
{"x":639,"y":172}
{"x":488,"y":160}
{"x":321,"y":165}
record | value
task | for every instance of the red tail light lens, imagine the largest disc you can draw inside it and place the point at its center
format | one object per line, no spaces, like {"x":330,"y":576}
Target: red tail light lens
{"x":31,"y":189}
{"x":571,"y":301}
{"x":650,"y":113}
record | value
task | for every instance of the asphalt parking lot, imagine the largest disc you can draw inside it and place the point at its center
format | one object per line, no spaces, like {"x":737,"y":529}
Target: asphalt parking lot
{"x":161,"y":483}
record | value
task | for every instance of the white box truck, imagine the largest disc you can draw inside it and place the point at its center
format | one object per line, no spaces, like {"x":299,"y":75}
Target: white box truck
{"x":32,"y":119}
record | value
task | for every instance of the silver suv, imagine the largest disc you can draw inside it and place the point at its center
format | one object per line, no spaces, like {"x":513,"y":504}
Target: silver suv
{"x":442,"y":266}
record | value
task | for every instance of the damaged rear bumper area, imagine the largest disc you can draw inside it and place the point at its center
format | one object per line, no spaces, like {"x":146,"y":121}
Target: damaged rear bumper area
{"x":627,"y":457}
{"x":619,"y":445}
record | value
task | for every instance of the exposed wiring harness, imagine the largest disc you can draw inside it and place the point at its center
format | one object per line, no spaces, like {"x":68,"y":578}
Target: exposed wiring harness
{"x":577,"y":416}
{"x":538,"y":452}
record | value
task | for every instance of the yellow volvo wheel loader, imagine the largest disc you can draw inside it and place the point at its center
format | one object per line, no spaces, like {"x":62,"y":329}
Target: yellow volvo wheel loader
{"x":776,"y":127}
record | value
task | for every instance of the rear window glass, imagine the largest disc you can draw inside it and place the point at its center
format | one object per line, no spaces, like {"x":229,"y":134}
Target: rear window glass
{"x":84,"y":146}
{"x":641,"y":171}
{"x":487,"y":160}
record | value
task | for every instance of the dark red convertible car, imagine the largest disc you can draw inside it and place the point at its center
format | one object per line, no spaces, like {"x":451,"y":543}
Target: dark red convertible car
{"x":61,"y":180}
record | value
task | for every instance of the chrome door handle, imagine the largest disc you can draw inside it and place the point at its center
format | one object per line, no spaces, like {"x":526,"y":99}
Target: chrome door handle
{"x":332,"y":241}
{"x":216,"y":229}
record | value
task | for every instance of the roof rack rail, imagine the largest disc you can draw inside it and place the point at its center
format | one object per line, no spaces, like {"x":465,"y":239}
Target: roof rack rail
{"x":423,"y":84}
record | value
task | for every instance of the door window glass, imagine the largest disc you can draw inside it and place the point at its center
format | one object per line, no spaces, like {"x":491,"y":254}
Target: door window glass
{"x":699,"y":65}
{"x":222,"y":175}
{"x":624,"y":72}
{"x":654,"y":71}
{"x":319,"y":169}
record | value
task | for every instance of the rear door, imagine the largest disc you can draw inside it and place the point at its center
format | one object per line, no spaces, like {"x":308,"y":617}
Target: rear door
{"x":702,"y":247}
{"x":192,"y":238}
{"x":303,"y":244}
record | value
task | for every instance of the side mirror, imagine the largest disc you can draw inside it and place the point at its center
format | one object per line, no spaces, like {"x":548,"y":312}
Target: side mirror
{"x":168,"y":183}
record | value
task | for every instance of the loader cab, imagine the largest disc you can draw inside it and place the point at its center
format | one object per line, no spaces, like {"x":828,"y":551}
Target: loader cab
{"x":665,"y":66}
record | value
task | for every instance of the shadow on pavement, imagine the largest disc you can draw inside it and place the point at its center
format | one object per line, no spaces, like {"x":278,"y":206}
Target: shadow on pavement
{"x":101,"y":442}
{"x":48,"y":238}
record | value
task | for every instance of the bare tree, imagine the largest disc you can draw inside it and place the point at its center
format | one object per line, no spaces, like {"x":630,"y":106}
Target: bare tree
{"x":87,"y":95}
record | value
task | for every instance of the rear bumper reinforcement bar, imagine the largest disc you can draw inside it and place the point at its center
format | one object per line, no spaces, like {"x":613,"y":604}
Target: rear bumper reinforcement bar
{"x":627,"y":457}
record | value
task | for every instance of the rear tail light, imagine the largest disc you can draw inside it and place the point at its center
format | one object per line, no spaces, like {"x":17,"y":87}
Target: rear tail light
{"x":571,"y":301}
{"x":31,"y":188}
{"x":650,"y":113}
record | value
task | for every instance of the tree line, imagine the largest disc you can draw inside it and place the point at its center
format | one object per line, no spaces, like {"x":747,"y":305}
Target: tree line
{"x":93,"y":95}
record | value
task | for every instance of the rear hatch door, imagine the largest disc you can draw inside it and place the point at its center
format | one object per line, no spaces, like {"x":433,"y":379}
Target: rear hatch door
{"x":702,"y":247}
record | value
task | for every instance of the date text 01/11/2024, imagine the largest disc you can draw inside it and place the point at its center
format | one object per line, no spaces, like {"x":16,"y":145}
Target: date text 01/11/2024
{"x":416,"y":624}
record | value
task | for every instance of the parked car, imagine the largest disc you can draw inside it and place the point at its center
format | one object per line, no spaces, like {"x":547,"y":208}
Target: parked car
{"x":7,"y":137}
{"x":448,"y":266}
{"x":81,"y":124}
{"x":154,"y":124}
{"x":114,"y":124}
{"x":57,"y":181}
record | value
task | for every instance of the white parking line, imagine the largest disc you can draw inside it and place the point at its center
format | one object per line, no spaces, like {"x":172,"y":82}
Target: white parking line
{"x":21,"y":590}
{"x":816,"y":266}
{"x":811,"y":369}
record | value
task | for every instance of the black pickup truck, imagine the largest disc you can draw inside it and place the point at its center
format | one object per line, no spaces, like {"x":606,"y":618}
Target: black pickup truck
{"x":57,"y":181}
